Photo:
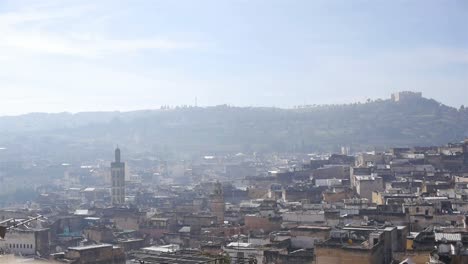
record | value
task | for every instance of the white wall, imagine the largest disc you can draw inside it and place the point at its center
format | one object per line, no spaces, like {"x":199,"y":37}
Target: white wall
{"x":19,"y":242}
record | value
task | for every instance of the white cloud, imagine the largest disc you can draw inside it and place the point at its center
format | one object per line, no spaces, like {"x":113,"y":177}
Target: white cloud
{"x":51,"y":61}
{"x":45,"y":43}
{"x":30,"y":30}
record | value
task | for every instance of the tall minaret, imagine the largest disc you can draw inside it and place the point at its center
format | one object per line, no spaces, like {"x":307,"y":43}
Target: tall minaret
{"x":118,"y":180}
{"x":217,"y":203}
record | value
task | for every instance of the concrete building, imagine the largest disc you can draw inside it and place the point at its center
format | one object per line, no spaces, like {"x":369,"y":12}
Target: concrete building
{"x":172,"y":254}
{"x":342,"y":248}
{"x":365,"y":185}
{"x":240,"y":252}
{"x":26,"y":242}
{"x":305,"y":236}
{"x":406,"y":95}
{"x":309,"y":217}
{"x":265,"y":223}
{"x":101,"y":254}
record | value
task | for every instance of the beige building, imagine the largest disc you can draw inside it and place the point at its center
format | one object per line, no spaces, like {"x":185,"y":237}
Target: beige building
{"x":365,"y":185}
{"x":103,"y":253}
{"x":405,"y":95}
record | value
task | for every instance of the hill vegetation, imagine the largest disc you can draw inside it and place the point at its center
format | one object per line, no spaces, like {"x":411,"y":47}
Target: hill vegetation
{"x":380,"y":123}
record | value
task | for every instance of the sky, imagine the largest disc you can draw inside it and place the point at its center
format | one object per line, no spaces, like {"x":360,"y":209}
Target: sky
{"x":90,"y":55}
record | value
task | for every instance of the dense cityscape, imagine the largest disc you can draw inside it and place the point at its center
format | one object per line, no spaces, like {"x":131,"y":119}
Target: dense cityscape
{"x":233,"y":132}
{"x":397,"y":205}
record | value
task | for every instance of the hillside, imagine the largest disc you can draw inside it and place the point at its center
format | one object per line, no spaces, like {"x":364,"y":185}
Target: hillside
{"x":380,"y":123}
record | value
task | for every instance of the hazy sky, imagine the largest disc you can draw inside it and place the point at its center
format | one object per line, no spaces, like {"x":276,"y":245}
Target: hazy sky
{"x":123,"y":55}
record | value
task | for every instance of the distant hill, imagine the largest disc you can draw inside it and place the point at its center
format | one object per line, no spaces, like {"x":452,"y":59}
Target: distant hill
{"x":380,"y":123}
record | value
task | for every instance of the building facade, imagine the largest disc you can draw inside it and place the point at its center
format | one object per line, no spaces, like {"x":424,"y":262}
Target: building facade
{"x":26,"y":242}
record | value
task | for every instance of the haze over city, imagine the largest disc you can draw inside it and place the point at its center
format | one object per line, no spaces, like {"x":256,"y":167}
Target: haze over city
{"x":234,"y":131}
{"x":124,"y":55}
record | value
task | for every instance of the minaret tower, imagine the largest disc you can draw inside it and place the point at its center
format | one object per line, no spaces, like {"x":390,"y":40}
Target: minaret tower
{"x":118,"y":180}
{"x":217,"y":203}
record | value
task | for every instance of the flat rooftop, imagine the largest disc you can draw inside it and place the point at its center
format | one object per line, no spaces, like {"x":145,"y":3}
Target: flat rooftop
{"x":181,"y":257}
{"x":81,"y":248}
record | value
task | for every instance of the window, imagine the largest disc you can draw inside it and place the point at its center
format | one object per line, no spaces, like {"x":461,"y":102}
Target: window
{"x":417,"y":209}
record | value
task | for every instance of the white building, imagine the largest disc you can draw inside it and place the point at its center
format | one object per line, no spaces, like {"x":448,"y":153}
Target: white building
{"x":239,"y":251}
{"x":25,"y":242}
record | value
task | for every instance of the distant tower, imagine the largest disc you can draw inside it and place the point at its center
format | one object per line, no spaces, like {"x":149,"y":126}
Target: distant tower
{"x":118,"y":180}
{"x":465,"y":151}
{"x":217,"y":203}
